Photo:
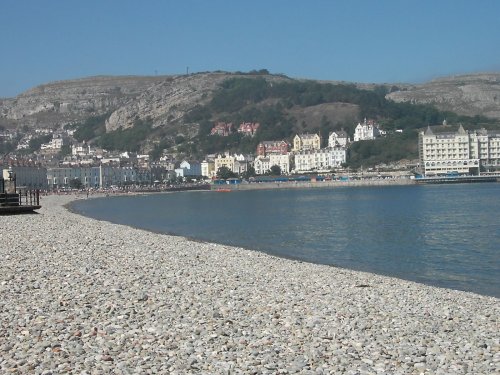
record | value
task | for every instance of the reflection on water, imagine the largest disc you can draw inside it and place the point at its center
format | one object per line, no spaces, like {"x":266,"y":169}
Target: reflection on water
{"x":445,"y":235}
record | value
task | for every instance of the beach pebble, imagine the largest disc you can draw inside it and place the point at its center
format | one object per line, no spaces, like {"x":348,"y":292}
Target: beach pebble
{"x":85,"y":296}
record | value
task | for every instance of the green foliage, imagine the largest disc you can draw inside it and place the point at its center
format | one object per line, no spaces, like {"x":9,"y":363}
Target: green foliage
{"x":255,"y":72}
{"x":180,"y":139}
{"x":126,"y":140}
{"x":6,"y":147}
{"x":223,"y":173}
{"x":65,"y":150}
{"x":198,"y":114}
{"x":217,"y":143}
{"x":157,"y":151}
{"x":392,"y":148}
{"x":75,"y":183}
{"x":274,"y":125}
{"x":275,"y":170}
{"x":90,"y":128}
{"x":250,"y":172}
{"x":189,"y":149}
{"x":35,"y":142}
{"x":238,"y":92}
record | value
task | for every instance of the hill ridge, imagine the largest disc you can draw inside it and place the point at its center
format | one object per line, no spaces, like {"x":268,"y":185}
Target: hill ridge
{"x":166,"y":99}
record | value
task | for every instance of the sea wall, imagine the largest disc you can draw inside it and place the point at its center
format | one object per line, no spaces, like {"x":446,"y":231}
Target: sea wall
{"x":85,"y":296}
{"x":315,"y":184}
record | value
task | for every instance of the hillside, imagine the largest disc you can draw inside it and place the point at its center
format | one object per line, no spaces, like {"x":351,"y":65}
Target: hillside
{"x":469,"y":95}
{"x":58,"y":103}
{"x":163,"y":99}
{"x":176,"y":113}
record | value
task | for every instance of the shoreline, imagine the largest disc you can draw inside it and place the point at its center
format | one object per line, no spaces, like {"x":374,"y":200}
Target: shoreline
{"x":95,"y":297}
{"x":69,"y":206}
{"x":316,"y":184}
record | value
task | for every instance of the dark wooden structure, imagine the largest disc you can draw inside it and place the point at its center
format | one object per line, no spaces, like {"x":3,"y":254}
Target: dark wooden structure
{"x":16,"y":201}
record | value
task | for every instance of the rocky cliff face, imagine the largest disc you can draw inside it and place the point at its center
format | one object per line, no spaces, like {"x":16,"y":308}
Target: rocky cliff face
{"x":165,"y":99}
{"x":474,"y":94}
{"x":59,"y":103}
{"x":166,"y":102}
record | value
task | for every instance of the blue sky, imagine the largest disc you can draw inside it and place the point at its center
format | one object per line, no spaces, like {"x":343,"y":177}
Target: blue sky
{"x":353,"y":40}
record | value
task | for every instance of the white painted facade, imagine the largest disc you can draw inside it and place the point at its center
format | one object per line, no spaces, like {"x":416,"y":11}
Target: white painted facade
{"x":262,"y":164}
{"x":208,"y":168}
{"x":368,"y":130}
{"x":338,"y":138}
{"x":318,"y":160}
{"x":462,"y":151}
{"x":55,"y":143}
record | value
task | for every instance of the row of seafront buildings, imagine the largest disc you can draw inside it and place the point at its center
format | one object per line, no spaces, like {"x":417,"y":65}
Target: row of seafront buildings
{"x":95,"y":170}
{"x":304,"y":155}
{"x":462,"y":152}
{"x":307,"y":155}
{"x":38,"y":177}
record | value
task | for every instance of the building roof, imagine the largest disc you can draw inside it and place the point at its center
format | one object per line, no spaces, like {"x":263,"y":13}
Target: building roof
{"x":307,"y":135}
{"x":272,"y":142}
{"x":340,"y":133}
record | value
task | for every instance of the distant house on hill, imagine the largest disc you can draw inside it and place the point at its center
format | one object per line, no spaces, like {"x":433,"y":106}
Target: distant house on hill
{"x":338,"y":138}
{"x":58,"y":140}
{"x":272,"y":147}
{"x":302,"y":142}
{"x":367,"y":130}
{"x":248,"y":128}
{"x":223,"y":129}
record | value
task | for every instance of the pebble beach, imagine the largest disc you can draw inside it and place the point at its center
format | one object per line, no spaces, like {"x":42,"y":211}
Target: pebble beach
{"x":82,"y":296}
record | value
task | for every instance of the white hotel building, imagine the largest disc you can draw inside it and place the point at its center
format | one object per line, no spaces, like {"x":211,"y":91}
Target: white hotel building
{"x":262,"y":164}
{"x":320,"y":160}
{"x":461,"y":151}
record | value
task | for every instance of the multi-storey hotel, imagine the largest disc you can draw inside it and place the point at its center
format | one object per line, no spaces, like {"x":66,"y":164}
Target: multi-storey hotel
{"x":323,"y":159}
{"x":462,"y":151}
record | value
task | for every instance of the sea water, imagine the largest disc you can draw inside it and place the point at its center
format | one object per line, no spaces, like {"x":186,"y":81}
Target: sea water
{"x":441,"y":235}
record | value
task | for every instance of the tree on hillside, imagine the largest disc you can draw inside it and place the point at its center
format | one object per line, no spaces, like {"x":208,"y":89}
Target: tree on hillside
{"x":6,"y":147}
{"x":65,"y":151}
{"x":90,"y":128}
{"x":36,"y":143}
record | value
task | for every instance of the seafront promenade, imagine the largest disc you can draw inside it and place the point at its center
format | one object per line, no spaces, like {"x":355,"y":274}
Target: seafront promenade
{"x":315,"y":184}
{"x":85,"y":296}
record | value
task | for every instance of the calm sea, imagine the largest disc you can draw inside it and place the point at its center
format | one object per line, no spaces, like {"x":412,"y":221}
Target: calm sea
{"x":443,"y":235}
